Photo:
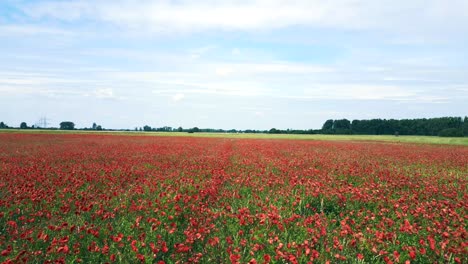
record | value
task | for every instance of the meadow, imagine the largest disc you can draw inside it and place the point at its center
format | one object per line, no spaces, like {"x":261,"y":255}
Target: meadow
{"x":217,"y":198}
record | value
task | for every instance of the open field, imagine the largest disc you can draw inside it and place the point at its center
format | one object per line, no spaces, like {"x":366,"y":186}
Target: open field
{"x":97,"y":198}
{"x":403,"y":139}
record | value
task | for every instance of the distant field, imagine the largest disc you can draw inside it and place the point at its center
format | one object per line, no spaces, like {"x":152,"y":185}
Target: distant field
{"x":403,"y":139}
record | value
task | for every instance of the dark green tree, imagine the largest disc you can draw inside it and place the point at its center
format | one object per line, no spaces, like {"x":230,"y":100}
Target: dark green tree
{"x":3,"y":125}
{"x":465,"y":126}
{"x":99,"y":128}
{"x":147,"y":128}
{"x":328,"y":125}
{"x":274,"y":131}
{"x":180,"y":129}
{"x":451,"y":132}
{"x":67,"y":125}
{"x":23,"y":125}
{"x":421,"y":126}
{"x":94,"y":126}
{"x":341,"y":124}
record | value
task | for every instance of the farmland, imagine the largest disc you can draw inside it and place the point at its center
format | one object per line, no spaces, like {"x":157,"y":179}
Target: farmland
{"x":97,"y":198}
{"x":384,"y":138}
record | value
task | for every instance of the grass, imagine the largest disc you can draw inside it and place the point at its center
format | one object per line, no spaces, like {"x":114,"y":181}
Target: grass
{"x":385,"y":138}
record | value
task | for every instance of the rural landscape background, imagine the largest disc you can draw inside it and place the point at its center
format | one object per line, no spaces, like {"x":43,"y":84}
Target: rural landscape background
{"x":164,"y":131}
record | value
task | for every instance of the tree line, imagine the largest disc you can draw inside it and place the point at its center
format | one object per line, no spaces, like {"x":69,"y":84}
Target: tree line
{"x":442,"y":126}
{"x":65,"y":125}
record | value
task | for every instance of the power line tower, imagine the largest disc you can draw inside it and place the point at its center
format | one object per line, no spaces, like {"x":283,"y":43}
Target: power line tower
{"x":42,"y":123}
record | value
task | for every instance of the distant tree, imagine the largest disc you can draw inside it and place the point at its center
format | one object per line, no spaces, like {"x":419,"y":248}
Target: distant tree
{"x":140,"y":129}
{"x":3,"y":125}
{"x":421,"y":126}
{"x":451,"y":132}
{"x":94,"y":126}
{"x":327,"y":126}
{"x":465,"y":126}
{"x":274,"y":131}
{"x":341,"y":124}
{"x":67,"y":125}
{"x":195,"y":129}
{"x":146,"y":128}
{"x":98,"y":128}
{"x":23,"y":125}
{"x":180,"y":129}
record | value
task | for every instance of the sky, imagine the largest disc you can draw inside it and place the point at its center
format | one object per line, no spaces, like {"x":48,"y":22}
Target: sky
{"x":231,"y":64}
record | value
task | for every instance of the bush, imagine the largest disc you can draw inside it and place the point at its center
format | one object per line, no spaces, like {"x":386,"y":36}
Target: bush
{"x":451,"y":132}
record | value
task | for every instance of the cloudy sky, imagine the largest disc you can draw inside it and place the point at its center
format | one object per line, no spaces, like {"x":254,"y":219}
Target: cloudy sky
{"x":231,"y":64}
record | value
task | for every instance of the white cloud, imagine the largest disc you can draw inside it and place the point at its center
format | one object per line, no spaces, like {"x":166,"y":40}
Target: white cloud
{"x":236,"y":52}
{"x":9,"y":30}
{"x":260,"y":78}
{"x":358,"y":92}
{"x":25,"y":90}
{"x":274,"y":67}
{"x":238,"y":88}
{"x":283,"y":67}
{"x":223,"y":71}
{"x":192,"y":16}
{"x":199,"y":52}
{"x":104,"y":93}
{"x":259,"y":114}
{"x":15,"y":90}
{"x":178,"y":97}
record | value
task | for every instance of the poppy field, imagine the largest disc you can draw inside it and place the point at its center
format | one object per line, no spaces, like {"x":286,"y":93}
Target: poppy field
{"x":94,"y":198}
